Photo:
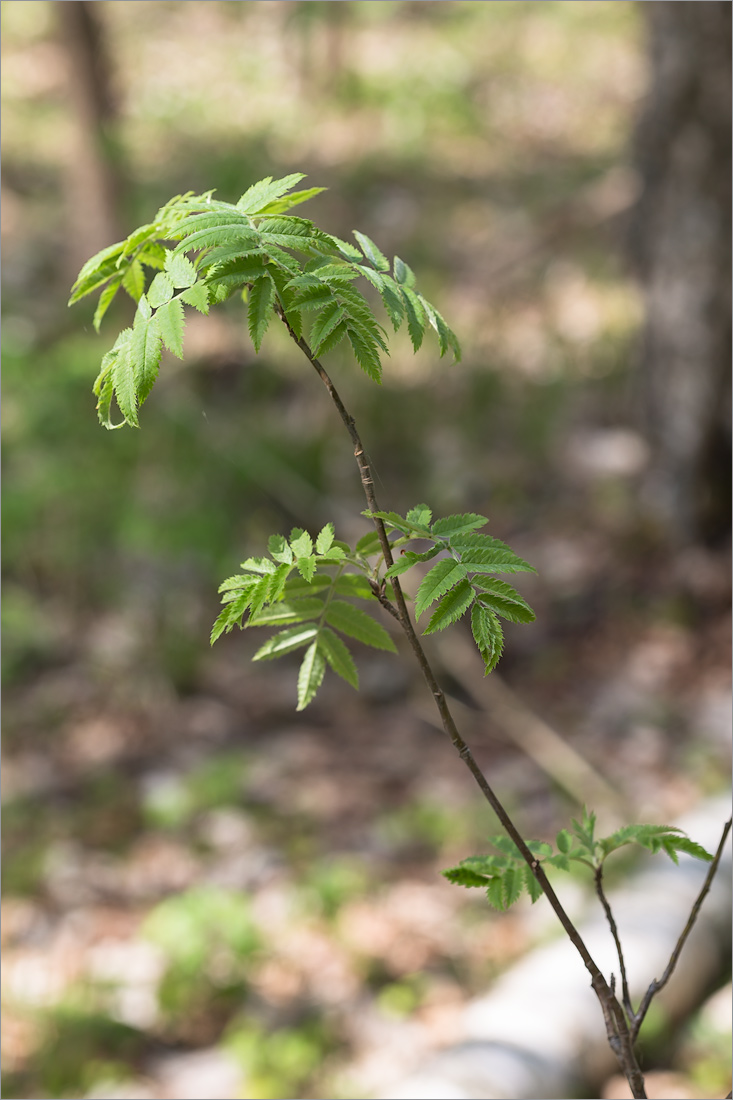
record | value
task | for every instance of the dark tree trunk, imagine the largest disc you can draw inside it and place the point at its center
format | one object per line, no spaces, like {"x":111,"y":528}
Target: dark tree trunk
{"x":93,"y":177}
{"x":681,"y":243}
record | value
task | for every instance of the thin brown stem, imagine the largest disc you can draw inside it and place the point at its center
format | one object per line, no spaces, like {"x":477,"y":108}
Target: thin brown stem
{"x":638,"y":1018}
{"x":616,"y":1026}
{"x":614,"y":932}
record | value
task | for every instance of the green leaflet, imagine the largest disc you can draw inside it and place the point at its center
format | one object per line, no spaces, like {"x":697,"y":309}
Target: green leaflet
{"x":145,"y":352}
{"x":403,"y":273}
{"x":451,"y":607}
{"x":105,"y":301}
{"x":311,"y":295}
{"x":439,"y":580}
{"x":310,"y":675}
{"x":134,"y":280}
{"x":96,"y":271}
{"x":484,"y":554}
{"x":229,"y":616}
{"x":338,"y":656}
{"x":123,"y":377}
{"x":259,"y":314}
{"x":306,"y":567}
{"x":279,"y":549}
{"x":295,"y":611}
{"x":420,"y":515}
{"x":285,"y":642}
{"x":325,"y":539}
{"x":372,"y":253}
{"x":169,"y":321}
{"x":324,"y":324}
{"x":180,"y":270}
{"x":301,"y":543}
{"x":257,"y":197}
{"x":369,"y":544}
{"x":223,"y":217}
{"x":279,"y":206}
{"x":503,"y":600}
{"x":292,"y":232}
{"x":196,"y":296}
{"x":236,"y":273}
{"x":160,"y":290}
{"x":231,"y":233}
{"x":365,"y":353}
{"x":488,"y":635}
{"x":357,"y":624}
{"x":415,"y":316}
{"x":450,"y":526}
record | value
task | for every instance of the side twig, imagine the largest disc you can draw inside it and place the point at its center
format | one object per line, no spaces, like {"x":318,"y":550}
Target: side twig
{"x":637,"y":1019}
{"x":614,"y":932}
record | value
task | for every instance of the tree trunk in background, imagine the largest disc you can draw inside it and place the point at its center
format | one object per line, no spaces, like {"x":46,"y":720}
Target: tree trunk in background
{"x":93,"y":180}
{"x":681,"y":244}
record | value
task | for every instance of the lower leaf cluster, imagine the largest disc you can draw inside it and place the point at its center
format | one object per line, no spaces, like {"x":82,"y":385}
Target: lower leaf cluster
{"x":505,"y":874}
{"x":304,"y":588}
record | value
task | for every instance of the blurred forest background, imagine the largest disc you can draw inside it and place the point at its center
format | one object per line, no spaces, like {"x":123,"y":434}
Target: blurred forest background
{"x":204,"y":891}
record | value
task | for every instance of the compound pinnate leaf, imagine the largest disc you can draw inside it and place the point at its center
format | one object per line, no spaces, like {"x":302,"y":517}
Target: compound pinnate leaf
{"x":358,"y":624}
{"x":441,"y":578}
{"x":310,"y":676}
{"x":454,"y":604}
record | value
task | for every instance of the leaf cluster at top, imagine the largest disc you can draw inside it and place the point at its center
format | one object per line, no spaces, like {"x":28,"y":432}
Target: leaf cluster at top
{"x":280,"y":263}
{"x":505,"y":874}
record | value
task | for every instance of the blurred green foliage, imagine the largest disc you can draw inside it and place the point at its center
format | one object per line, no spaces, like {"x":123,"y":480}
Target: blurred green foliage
{"x":208,"y":938}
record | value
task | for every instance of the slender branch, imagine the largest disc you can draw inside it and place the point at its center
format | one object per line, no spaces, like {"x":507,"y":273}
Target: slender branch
{"x":598,"y":873}
{"x":638,"y":1018}
{"x":617,"y":1029}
